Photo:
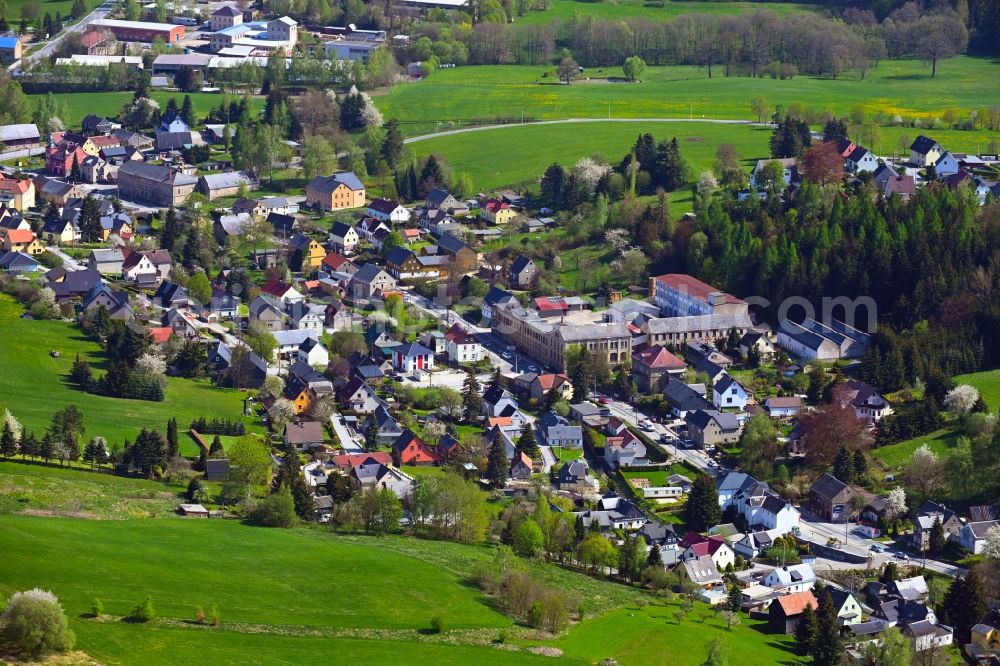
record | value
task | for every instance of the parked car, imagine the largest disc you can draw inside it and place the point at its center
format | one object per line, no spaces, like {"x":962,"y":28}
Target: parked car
{"x":900,"y":555}
{"x":604,"y":400}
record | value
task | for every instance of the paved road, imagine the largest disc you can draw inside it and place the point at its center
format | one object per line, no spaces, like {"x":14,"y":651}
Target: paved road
{"x":49,"y":49}
{"x":564,"y":121}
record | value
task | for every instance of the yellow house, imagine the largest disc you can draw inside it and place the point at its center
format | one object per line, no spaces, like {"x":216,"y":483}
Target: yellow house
{"x":986,"y":637}
{"x":312,"y":252}
{"x":341,"y":190}
{"x":21,"y":240}
{"x":20,"y":194}
{"x":497,"y":212}
{"x":301,"y":401}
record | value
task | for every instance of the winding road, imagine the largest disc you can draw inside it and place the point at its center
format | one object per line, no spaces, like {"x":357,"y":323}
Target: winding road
{"x":566,"y":121}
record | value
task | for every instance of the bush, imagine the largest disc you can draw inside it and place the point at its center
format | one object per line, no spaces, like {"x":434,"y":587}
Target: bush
{"x":216,"y":618}
{"x":97,"y":608}
{"x":34,"y":623}
{"x":277,"y":510}
{"x":437,"y":624}
{"x":143,"y":611}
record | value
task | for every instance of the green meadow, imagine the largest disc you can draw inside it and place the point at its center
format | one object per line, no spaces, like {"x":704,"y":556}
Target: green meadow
{"x":451,"y":97}
{"x":34,"y":385}
{"x":659,"y":11}
{"x":942,"y":441}
{"x":512,"y":155}
{"x":109,"y":104}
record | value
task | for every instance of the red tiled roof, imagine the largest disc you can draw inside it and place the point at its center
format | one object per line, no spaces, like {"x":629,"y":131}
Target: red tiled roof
{"x":351,"y":460}
{"x":551,"y":303}
{"x":14,"y":184}
{"x":693,"y":286}
{"x":657,"y":356}
{"x":92,"y":38}
{"x":334,"y":260}
{"x":20,"y":235}
{"x":160,"y":334}
{"x":795,"y":603}
{"x":276,"y":287}
{"x":550,"y":381}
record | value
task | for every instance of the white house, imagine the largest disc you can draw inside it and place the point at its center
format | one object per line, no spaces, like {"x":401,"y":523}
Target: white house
{"x":388,"y":210}
{"x":972,"y":536}
{"x":411,"y":357}
{"x":714,"y":547}
{"x":729,"y":393}
{"x":946,"y":166}
{"x":463,"y":346}
{"x":926,"y":635}
{"x":290,"y":341}
{"x":925,"y":151}
{"x":344,"y":238}
{"x":754,"y":544}
{"x":761,"y":507}
{"x":861,"y":160}
{"x":305,"y":316}
{"x":791,"y":578}
{"x":313,"y":352}
{"x":623,"y":450}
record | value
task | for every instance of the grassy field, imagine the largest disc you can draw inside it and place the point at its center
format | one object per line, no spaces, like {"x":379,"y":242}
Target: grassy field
{"x":273,"y":588}
{"x":942,"y":441}
{"x":626,"y":9}
{"x":64,"y":7}
{"x":651,"y":635}
{"x":33,"y":385}
{"x":505,"y":156}
{"x":896,"y":456}
{"x":34,"y":488}
{"x":988,"y":384}
{"x":902,"y":87}
{"x":109,"y":104}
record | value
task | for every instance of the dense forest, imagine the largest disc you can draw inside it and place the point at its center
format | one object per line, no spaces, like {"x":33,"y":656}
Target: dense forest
{"x":930,"y":265}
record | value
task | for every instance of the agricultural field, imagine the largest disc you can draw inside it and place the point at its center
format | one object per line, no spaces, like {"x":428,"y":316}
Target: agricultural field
{"x":626,"y":9}
{"x":451,"y":97}
{"x":507,"y":155}
{"x":269,"y":605}
{"x":109,"y":104}
{"x":34,"y":385}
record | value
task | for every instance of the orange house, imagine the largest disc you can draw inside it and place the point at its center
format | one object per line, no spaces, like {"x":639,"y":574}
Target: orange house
{"x":341,"y":190}
{"x":408,"y":449}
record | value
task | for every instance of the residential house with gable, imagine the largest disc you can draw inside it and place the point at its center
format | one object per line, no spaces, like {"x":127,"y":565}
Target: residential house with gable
{"x":728,"y":393}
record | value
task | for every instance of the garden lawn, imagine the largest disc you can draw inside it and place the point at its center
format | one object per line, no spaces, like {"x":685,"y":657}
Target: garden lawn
{"x":109,"y":104}
{"x":626,"y":9}
{"x":511,"y":155}
{"x":33,"y":385}
{"x":896,"y":456}
{"x":36,"y":488}
{"x":453,"y":97}
{"x":988,"y":384}
{"x":567,"y":455}
{"x":635,"y":636}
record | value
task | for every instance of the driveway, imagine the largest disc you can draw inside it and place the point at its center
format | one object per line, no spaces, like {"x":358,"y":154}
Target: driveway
{"x":347,"y":442}
{"x":69,"y":263}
